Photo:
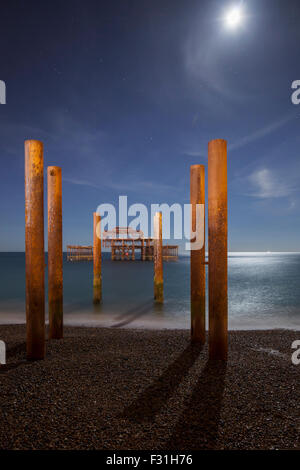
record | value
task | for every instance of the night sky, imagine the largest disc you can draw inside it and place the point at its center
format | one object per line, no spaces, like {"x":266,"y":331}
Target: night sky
{"x":126,"y":94}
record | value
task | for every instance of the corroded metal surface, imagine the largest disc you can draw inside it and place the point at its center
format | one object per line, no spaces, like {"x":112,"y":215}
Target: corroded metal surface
{"x":158,"y":259}
{"x":97,"y":259}
{"x":197,"y":187}
{"x":34,"y":249}
{"x":217,"y":238}
{"x":55,"y":253}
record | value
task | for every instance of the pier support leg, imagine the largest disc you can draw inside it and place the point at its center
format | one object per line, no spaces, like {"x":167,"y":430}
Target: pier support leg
{"x":34,"y":249}
{"x":158,"y":259}
{"x":55,"y":253}
{"x":217,"y":238}
{"x":197,"y":186}
{"x":97,"y":259}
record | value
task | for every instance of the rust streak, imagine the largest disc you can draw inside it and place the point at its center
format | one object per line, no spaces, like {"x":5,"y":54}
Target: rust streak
{"x":55,"y":253}
{"x":34,"y":249}
{"x":217,"y":237}
{"x":197,"y":189}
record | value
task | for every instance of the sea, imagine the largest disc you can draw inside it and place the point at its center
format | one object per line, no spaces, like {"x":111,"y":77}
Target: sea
{"x":263,"y":292}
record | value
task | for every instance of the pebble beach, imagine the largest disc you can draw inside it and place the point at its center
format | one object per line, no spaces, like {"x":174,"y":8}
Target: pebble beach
{"x":126,"y":389}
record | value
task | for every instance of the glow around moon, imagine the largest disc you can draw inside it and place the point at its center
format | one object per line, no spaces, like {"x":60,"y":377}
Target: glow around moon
{"x":233,"y":17}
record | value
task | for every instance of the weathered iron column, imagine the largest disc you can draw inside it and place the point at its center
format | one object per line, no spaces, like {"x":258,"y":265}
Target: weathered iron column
{"x":197,"y":186}
{"x":97,"y":259}
{"x":34,"y":249}
{"x":55,"y":253}
{"x":217,"y":240}
{"x":158,"y":259}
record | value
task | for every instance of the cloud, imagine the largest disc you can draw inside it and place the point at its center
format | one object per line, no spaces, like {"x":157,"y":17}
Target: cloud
{"x":248,"y":139}
{"x":140,"y":185}
{"x":267,"y":184}
{"x":259,"y":134}
{"x":130,"y":186}
{"x":194,"y":153}
{"x":80,"y":182}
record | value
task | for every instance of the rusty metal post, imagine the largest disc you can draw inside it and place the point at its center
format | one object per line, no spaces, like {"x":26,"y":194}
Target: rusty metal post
{"x":158,"y":259}
{"x":97,"y":259}
{"x":34,"y":249}
{"x":55,"y":253}
{"x":217,"y":239}
{"x":197,"y":187}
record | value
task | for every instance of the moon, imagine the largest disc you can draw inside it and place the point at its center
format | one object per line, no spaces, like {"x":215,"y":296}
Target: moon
{"x":233,"y":17}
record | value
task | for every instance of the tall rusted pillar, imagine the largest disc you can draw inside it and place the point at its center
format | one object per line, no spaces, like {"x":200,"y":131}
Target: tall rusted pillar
{"x":97,"y":259}
{"x":34,"y":249}
{"x":158,"y":259}
{"x":217,"y":239}
{"x":55,"y":253}
{"x":197,"y":186}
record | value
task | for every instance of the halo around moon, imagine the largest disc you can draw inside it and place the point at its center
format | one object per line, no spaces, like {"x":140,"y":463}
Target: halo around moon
{"x":233,"y":17}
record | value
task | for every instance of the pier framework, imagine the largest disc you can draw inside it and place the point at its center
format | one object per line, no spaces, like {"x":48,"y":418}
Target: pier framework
{"x":128,"y":244}
{"x":79,"y":253}
{"x":125,"y":244}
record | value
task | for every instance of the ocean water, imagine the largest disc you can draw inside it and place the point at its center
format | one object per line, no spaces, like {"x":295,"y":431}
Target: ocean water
{"x":264,"y":292}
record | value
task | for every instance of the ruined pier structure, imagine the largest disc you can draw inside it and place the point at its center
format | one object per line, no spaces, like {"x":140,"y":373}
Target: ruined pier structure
{"x":124,"y":244}
{"x":128,"y":244}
